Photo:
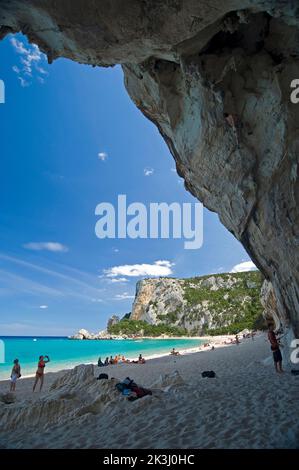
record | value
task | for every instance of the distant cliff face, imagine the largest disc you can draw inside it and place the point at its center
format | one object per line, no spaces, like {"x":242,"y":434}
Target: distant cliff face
{"x":199,"y":304}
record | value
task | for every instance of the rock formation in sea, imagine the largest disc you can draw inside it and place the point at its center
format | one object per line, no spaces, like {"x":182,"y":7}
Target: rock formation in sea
{"x":215,"y":78}
{"x":85,"y":334}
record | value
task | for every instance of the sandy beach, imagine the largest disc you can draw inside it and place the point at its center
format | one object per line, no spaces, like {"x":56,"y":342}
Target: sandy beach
{"x":247,"y":405}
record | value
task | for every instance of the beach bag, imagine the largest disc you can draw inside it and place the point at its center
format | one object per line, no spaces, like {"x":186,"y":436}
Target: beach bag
{"x":141,"y":392}
{"x":102,"y":376}
{"x":208,"y":373}
{"x":129,"y":383}
{"x":120,"y":387}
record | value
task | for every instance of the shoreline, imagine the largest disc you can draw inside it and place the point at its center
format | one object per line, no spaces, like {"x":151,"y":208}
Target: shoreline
{"x":246,"y":405}
{"x":216,"y":341}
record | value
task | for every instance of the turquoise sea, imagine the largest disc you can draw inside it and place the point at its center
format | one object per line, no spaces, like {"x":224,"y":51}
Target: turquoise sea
{"x":66,"y":353}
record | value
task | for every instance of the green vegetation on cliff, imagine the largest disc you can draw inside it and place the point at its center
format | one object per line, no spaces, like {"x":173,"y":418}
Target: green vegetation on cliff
{"x":233,"y":307}
{"x":141,"y":328}
{"x":209,"y":305}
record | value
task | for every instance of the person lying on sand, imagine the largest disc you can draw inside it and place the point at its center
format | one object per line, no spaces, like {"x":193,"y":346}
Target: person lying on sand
{"x":15,"y":375}
{"x":39,"y":376}
{"x":124,"y":360}
{"x":274,"y":341}
{"x":141,"y":360}
{"x":173,"y":352}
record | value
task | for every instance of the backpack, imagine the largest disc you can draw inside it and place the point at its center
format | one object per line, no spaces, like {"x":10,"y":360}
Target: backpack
{"x":208,"y":373}
{"x":102,"y":376}
{"x":125,"y":384}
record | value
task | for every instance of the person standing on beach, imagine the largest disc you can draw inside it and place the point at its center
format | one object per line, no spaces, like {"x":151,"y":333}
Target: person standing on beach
{"x":274,"y":341}
{"x":15,"y":375}
{"x":39,"y":376}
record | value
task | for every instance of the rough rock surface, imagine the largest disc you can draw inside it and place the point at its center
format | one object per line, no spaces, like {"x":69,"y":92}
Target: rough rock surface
{"x":273,"y":311}
{"x":84,"y":334}
{"x":186,"y":64}
{"x":198,"y":304}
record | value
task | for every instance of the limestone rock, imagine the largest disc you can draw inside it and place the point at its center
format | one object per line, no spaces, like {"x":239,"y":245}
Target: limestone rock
{"x":215,"y":79}
{"x":74,"y":395}
{"x":196,"y":304}
{"x":7,"y":398}
{"x":273,"y":311}
{"x":168,"y":381}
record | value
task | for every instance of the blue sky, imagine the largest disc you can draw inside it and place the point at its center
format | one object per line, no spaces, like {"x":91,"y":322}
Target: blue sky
{"x":71,"y":139}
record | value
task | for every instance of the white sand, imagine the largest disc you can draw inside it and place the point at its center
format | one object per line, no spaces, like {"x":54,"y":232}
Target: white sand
{"x":247,"y":405}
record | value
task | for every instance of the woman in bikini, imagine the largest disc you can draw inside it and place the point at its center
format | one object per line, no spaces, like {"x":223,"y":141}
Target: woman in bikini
{"x":15,"y":375}
{"x":40,"y":371}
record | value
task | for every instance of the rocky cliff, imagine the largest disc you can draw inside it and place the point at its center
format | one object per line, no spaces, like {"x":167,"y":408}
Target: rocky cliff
{"x":215,"y":79}
{"x":202,"y":304}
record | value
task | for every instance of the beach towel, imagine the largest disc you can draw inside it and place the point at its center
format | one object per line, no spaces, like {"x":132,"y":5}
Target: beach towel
{"x":141,"y":391}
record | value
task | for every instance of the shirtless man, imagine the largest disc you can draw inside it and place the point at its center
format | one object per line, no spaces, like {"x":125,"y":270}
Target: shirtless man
{"x":274,"y":341}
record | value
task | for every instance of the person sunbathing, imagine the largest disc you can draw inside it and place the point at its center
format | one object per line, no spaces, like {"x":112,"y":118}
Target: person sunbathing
{"x":141,"y":360}
{"x":123,"y":359}
{"x":100,"y":363}
{"x":173,"y":352}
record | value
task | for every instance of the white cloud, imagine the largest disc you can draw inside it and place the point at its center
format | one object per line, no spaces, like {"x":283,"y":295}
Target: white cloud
{"x":102,"y":156}
{"x":159,"y":268}
{"x":148,"y":171}
{"x":48,"y":246}
{"x":23,"y":82}
{"x":43,"y":306}
{"x":30,"y":59}
{"x":19,"y":46}
{"x":244,"y":266}
{"x":41,"y":70}
{"x":118,"y":279}
{"x":124,"y":296}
